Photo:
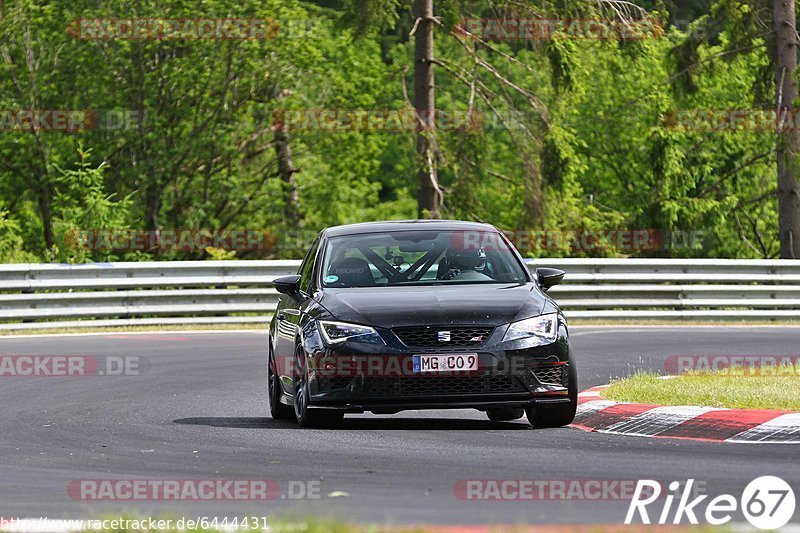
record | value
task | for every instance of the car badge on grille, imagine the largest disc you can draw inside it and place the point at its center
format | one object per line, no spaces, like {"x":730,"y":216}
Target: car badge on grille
{"x":479,"y":338}
{"x":443,"y":336}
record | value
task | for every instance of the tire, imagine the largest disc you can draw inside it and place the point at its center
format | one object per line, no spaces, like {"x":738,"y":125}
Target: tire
{"x":278,"y":410}
{"x":504,"y":414}
{"x":558,"y":415}
{"x":306,"y":416}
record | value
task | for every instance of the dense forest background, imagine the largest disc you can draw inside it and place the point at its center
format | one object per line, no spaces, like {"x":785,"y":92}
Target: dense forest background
{"x":575,"y":136}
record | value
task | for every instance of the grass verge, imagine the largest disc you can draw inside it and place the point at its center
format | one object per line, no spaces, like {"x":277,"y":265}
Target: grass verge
{"x":735,"y":388}
{"x":681,"y":322}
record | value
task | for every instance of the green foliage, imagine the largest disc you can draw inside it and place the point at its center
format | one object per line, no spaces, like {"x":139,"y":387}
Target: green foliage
{"x":82,"y":204}
{"x":366,"y":15}
{"x":218,"y":254}
{"x":11,"y":241}
{"x":568,"y":134}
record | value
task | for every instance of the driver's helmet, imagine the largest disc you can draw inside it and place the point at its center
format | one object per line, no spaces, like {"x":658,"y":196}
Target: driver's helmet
{"x":466,"y":259}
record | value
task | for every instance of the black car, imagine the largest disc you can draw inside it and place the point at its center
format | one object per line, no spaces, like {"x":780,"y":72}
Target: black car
{"x":419,"y":314}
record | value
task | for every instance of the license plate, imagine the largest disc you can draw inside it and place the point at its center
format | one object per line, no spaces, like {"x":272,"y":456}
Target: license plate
{"x":446,"y":363}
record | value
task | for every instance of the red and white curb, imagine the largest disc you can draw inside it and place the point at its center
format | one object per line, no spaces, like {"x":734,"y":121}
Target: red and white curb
{"x":685,"y":422}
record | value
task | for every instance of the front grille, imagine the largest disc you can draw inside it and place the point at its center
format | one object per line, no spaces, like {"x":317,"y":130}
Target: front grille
{"x":553,"y":374}
{"x":428,"y":336}
{"x":328,"y":383}
{"x":547,"y":370}
{"x":443,"y":386}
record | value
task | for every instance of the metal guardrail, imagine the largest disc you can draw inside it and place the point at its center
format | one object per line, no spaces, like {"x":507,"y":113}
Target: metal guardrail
{"x":666,"y":289}
{"x":34,"y":296}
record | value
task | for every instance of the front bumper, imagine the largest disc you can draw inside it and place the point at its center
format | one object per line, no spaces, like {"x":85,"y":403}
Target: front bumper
{"x":512,"y":374}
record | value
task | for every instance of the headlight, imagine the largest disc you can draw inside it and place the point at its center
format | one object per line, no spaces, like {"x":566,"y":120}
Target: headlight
{"x":544,"y":328}
{"x":338,"y":332}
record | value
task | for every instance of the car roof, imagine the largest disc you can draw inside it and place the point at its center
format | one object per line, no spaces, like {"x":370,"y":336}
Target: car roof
{"x":405,"y":225}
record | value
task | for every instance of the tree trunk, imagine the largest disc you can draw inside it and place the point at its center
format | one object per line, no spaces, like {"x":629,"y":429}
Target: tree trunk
{"x":534,"y":196}
{"x":152,"y":206}
{"x":788,"y":135}
{"x":429,"y":196}
{"x":286,"y":171}
{"x":46,"y":214}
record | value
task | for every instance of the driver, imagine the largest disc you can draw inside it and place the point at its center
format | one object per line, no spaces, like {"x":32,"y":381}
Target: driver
{"x":465,"y":265}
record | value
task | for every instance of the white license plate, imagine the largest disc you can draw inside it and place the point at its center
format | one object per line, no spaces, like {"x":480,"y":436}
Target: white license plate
{"x":446,"y":363}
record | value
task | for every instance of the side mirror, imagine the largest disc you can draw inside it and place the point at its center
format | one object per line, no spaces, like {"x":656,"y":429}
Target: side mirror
{"x":549,"y":276}
{"x":287,"y":284}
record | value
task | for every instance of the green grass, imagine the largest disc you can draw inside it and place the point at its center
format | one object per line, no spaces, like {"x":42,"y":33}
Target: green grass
{"x":679,"y":322}
{"x":739,"y":388}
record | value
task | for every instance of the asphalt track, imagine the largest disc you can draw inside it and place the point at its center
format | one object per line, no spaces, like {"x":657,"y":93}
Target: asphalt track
{"x":198,"y":410}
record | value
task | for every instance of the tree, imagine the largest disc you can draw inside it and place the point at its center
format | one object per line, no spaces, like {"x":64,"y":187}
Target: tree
{"x":429,"y":195}
{"x":31,"y":79}
{"x":788,"y":146}
{"x":756,"y":25}
{"x":565,"y":134}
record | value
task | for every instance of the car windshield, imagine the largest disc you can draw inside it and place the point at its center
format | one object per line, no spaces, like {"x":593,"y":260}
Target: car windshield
{"x":420,"y":258}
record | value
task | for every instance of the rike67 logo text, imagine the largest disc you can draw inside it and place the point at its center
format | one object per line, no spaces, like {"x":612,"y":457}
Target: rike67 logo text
{"x":768,"y":502}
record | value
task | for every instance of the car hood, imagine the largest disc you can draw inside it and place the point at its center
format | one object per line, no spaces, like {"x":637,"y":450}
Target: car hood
{"x":390,"y":307}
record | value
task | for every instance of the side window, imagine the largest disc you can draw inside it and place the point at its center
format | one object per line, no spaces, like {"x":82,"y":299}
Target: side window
{"x":307,"y":268}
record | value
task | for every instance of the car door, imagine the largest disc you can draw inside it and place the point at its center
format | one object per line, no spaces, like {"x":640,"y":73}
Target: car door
{"x":289,"y":314}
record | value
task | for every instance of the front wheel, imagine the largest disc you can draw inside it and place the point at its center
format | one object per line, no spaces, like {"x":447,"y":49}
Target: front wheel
{"x":278,"y":410}
{"x":306,"y":415}
{"x":558,"y":415}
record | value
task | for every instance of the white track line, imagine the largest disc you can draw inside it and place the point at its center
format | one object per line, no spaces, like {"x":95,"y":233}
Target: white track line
{"x":784,"y":429}
{"x":657,"y":420}
{"x":593,"y":407}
